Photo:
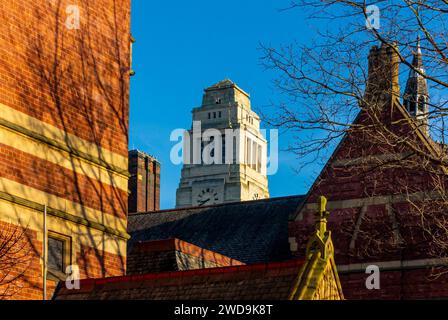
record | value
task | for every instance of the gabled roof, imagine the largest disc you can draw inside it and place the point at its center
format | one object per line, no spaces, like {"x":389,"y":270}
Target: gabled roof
{"x":250,"y":231}
{"x":428,"y":146}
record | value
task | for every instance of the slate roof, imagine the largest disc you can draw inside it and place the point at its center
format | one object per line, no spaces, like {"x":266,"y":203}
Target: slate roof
{"x":172,"y":255}
{"x":251,"y":231}
{"x":274,"y":281}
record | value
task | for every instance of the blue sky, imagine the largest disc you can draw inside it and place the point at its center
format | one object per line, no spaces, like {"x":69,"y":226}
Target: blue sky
{"x":185,"y":46}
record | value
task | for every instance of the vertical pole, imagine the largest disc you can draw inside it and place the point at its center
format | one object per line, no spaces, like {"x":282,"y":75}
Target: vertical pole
{"x":45,"y":253}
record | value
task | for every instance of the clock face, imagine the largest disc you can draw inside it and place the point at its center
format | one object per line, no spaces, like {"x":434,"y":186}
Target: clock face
{"x":207,"y":196}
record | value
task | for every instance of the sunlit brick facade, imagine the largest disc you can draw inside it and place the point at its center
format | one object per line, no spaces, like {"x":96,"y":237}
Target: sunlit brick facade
{"x":64,"y":105}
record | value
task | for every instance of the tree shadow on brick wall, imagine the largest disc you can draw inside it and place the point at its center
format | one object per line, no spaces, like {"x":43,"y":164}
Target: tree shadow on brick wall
{"x":77,"y":80}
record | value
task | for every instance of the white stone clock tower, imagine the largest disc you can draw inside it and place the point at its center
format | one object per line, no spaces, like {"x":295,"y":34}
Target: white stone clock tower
{"x":238,"y":171}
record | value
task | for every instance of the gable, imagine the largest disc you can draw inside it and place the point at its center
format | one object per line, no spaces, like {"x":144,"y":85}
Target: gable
{"x":384,"y":164}
{"x":365,"y":163}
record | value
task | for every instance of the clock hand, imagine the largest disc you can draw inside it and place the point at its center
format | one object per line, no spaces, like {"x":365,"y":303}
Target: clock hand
{"x":204,"y":201}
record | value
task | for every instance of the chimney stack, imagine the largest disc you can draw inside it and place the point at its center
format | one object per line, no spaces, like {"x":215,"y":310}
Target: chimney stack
{"x":382,"y":83}
{"x":144,"y":183}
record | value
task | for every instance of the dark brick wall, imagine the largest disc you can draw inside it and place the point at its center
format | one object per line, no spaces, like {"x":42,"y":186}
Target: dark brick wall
{"x":140,"y":262}
{"x":144,"y":183}
{"x":396,"y":285}
{"x":376,"y":232}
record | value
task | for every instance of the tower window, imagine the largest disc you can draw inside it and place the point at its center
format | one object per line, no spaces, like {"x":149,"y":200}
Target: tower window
{"x":223,"y":152}
{"x":412,"y":107}
{"x":214,"y":115}
{"x":254,"y":155}
{"x":248,"y":151}
{"x":209,"y":115}
{"x":219,"y":114}
{"x":421,"y":104}
{"x":218,"y":100}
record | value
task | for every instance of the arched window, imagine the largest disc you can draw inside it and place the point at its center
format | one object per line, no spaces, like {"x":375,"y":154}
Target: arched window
{"x":412,"y":106}
{"x":422,"y":104}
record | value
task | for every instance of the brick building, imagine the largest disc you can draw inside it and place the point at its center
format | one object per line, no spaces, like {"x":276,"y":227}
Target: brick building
{"x":64,"y":104}
{"x":372,"y":186}
{"x":144,"y":182}
{"x":174,"y":269}
{"x":381,"y":192}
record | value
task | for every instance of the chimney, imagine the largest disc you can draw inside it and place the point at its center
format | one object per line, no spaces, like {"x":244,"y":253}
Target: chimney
{"x":382,"y":83}
{"x":144,"y":183}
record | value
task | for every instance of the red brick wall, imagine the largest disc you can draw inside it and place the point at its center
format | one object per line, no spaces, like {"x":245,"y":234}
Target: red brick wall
{"x":77,"y":80}
{"x":59,"y":181}
{"x":19,"y":263}
{"x":95,"y":263}
{"x":156,"y":171}
{"x":376,"y":236}
{"x":144,"y":183}
{"x":380,"y":233}
{"x":396,"y":285}
{"x":23,"y":265}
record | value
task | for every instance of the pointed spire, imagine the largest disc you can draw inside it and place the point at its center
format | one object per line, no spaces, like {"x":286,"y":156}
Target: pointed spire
{"x":322,"y":215}
{"x":417,"y":61}
{"x":321,"y":239}
{"x":416,"y":95}
{"x":419,"y":50}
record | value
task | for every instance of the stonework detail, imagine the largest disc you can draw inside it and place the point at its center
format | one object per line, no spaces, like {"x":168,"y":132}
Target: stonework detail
{"x":327,"y":288}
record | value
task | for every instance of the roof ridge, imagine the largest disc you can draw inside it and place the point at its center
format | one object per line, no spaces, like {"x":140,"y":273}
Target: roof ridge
{"x":216,"y":205}
{"x":195,"y":272}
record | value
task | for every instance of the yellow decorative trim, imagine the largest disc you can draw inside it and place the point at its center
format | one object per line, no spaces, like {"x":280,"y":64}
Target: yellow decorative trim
{"x":314,"y":274}
{"x":81,"y":235}
{"x":61,"y":214}
{"x":62,"y":158}
{"x":74,"y":209}
{"x":57,"y":138}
